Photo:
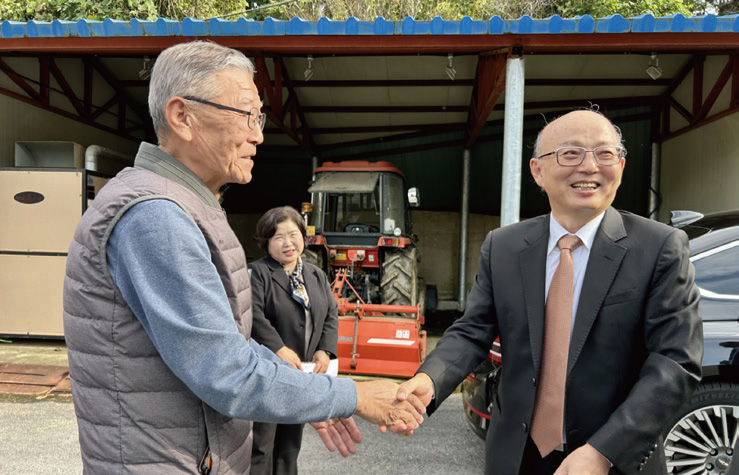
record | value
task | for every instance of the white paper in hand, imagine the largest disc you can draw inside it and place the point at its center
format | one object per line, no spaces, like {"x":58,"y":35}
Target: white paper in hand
{"x":333,"y":367}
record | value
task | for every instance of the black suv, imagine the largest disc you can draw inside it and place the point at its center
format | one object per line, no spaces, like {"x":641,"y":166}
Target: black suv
{"x":701,"y":438}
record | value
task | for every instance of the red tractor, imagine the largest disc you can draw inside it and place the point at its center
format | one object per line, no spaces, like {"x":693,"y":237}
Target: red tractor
{"x":359,"y":232}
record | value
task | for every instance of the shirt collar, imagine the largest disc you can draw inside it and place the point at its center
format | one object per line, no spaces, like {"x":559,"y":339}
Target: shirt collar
{"x":585,"y":233}
{"x":160,"y":162}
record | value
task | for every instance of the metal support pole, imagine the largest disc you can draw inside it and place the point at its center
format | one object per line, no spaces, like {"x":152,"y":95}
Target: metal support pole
{"x":464,"y":218}
{"x":313,"y":166}
{"x":654,"y":181}
{"x":510,"y":200}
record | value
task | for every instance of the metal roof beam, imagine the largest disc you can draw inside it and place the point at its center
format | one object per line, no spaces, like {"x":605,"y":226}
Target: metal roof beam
{"x":455,"y":83}
{"x":20,"y":82}
{"x":471,"y":82}
{"x":379,"y":109}
{"x":89,"y":71}
{"x":700,"y":107}
{"x":441,"y":128}
{"x":386,"y":83}
{"x":387,"y":128}
{"x":84,"y":110}
{"x":637,"y":100}
{"x":698,"y":64}
{"x":700,"y":123}
{"x":68,"y":91}
{"x":277,"y":112}
{"x":716,"y":90}
{"x":297,"y":111}
{"x":393,"y":138}
{"x":44,"y":79}
{"x":67,"y":114}
{"x":489,"y":85}
{"x":141,"y":112}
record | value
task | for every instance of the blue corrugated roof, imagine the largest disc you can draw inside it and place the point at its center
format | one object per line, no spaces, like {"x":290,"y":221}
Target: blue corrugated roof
{"x":408,"y":26}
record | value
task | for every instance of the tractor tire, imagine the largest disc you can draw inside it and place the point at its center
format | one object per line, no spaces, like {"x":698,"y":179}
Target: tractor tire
{"x":314,"y":257}
{"x":422,"y":297}
{"x":399,"y":285}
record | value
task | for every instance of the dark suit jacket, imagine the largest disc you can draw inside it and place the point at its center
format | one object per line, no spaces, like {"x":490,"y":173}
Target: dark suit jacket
{"x":635,"y":351}
{"x":279,"y":320}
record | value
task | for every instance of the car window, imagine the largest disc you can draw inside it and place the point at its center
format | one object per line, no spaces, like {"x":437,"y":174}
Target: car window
{"x":695,"y":231}
{"x":717,"y":270}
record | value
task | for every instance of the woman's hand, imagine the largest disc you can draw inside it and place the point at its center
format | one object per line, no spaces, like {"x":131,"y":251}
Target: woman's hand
{"x":321,"y":359}
{"x":289,"y":356}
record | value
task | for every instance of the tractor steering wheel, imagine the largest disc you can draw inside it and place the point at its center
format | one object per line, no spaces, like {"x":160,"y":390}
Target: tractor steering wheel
{"x":361,"y":228}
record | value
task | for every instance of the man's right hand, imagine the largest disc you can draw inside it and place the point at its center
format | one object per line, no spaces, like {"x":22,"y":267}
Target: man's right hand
{"x":420,"y":385}
{"x":377,"y":403}
{"x":290,"y":357}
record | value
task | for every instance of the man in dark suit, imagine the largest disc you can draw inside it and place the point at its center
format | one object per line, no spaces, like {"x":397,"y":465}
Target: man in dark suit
{"x":630,"y":351}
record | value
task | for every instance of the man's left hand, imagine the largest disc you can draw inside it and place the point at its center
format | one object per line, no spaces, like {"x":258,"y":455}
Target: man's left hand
{"x":585,"y":460}
{"x":321,"y":359}
{"x":341,"y":434}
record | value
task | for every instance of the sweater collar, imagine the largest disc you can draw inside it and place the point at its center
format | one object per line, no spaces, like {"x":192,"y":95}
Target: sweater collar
{"x":154,"y":159}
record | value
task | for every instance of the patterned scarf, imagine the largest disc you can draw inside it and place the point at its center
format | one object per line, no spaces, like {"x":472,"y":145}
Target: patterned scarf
{"x":297,"y":285}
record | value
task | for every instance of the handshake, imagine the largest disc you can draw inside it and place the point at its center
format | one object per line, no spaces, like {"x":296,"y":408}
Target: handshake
{"x":399,"y":408}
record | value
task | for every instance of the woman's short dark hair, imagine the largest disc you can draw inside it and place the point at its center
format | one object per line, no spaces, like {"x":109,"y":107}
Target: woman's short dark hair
{"x":267,"y":224}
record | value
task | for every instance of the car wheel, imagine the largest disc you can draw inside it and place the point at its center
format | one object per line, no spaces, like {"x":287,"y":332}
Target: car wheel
{"x":702,"y":437}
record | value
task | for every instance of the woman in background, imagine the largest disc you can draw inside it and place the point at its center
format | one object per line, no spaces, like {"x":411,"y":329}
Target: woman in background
{"x":294,"y":315}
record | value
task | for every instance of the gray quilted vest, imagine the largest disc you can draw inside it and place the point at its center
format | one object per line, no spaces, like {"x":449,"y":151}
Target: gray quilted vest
{"x":134,"y":415}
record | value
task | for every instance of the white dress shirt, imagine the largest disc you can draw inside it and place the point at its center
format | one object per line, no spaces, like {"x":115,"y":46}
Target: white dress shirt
{"x":580,"y":255}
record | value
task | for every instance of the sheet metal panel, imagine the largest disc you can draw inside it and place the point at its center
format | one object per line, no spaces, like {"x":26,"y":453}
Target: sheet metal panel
{"x":379,"y":27}
{"x":346,"y":182}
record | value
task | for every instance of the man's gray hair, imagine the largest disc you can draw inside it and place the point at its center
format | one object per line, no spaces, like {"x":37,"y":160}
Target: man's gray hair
{"x":592,"y":108}
{"x":188,"y":69}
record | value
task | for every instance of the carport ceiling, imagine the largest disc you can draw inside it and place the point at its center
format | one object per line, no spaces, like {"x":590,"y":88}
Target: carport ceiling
{"x":369,"y":89}
{"x":357,"y":98}
{"x":387,"y":95}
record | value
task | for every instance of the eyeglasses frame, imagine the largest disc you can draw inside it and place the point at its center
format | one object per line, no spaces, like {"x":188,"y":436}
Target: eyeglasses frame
{"x":622,"y":154}
{"x":261,"y":116}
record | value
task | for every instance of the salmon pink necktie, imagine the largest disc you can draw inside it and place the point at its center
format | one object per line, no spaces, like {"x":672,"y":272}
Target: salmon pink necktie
{"x":548,"y":420}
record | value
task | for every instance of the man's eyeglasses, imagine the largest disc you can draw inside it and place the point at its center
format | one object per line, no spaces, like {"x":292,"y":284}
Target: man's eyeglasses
{"x":574,"y":156}
{"x":254,"y":117}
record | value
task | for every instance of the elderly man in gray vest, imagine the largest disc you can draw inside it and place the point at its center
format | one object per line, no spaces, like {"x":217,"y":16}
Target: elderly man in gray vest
{"x":157,"y":302}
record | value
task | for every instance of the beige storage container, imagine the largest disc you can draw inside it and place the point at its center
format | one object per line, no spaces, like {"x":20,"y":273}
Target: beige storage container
{"x":47,"y":225}
{"x":49,"y":154}
{"x":39,"y":212}
{"x":31,"y":295}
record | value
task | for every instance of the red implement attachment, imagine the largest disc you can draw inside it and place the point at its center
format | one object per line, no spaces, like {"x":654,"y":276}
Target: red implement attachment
{"x":375,"y":339}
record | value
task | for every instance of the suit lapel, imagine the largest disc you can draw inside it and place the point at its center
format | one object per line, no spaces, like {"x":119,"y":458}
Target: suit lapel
{"x":605,"y":259}
{"x":533,"y":271}
{"x":279,"y":275}
{"x":313,"y":288}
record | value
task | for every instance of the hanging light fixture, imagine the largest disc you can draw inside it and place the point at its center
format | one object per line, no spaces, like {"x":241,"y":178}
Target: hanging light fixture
{"x":145,"y":72}
{"x":450,"y":71}
{"x":309,"y":70}
{"x":653,"y":70}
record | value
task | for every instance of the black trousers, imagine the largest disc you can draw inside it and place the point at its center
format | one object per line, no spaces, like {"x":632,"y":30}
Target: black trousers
{"x":276,"y":447}
{"x":533,"y":464}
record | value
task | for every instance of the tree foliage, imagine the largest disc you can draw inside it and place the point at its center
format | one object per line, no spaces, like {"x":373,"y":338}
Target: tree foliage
{"x":46,"y":10}
{"x":479,"y":9}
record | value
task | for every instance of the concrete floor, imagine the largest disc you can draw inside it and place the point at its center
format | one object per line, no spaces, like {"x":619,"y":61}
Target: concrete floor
{"x":40,"y":432}
{"x":24,"y":351}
